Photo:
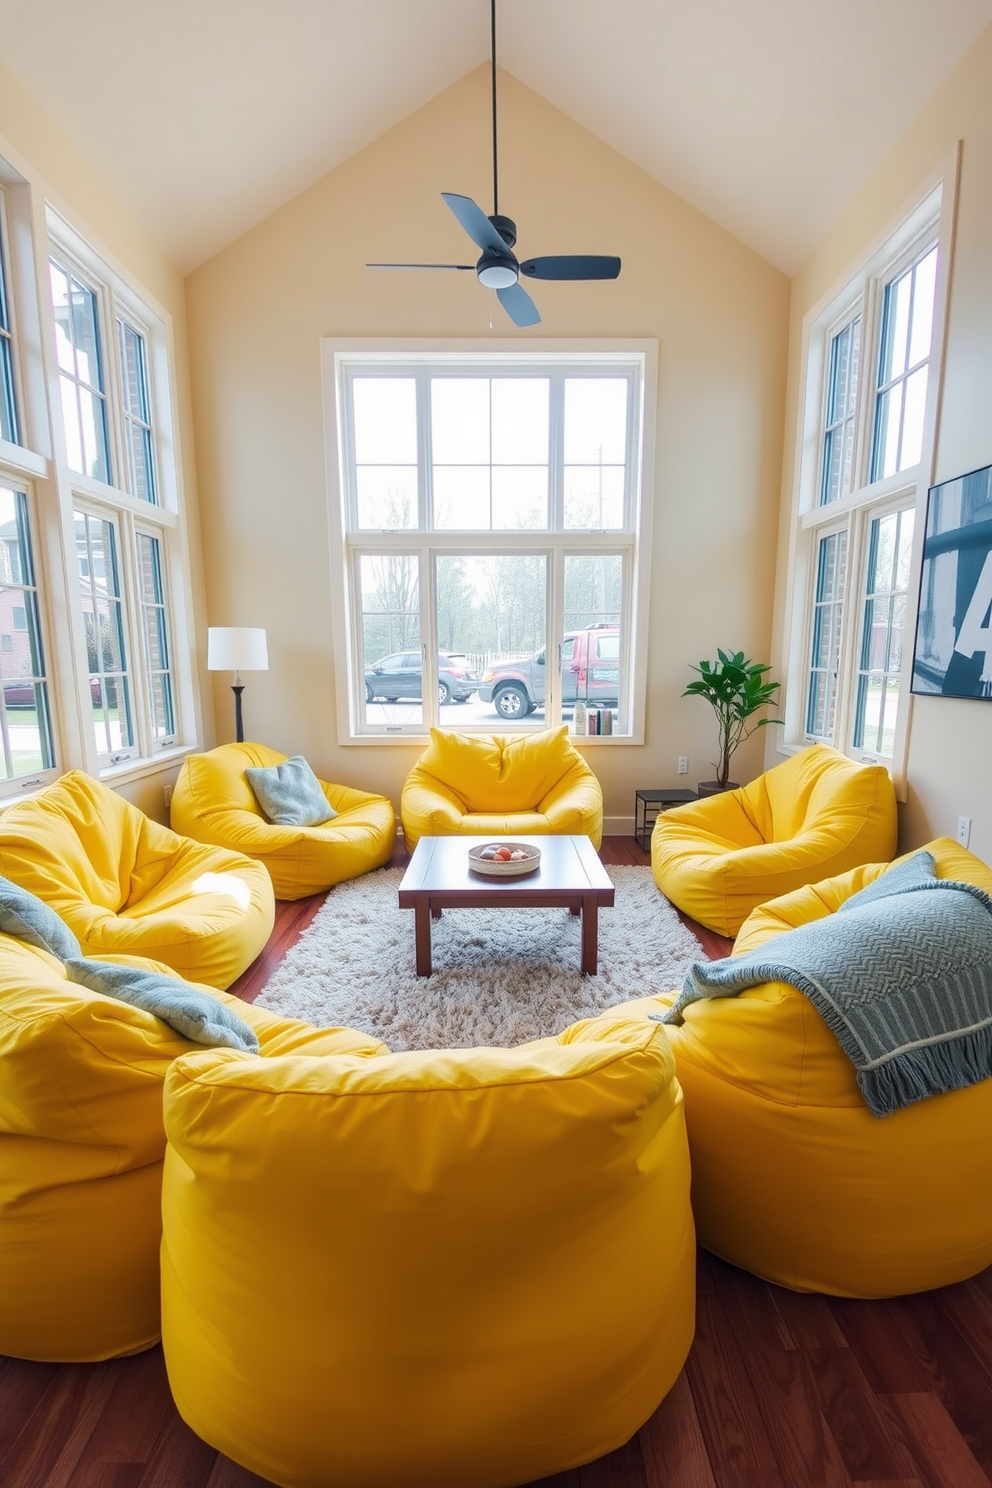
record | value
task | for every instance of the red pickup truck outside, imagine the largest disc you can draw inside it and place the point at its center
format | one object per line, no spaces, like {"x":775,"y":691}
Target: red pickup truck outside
{"x":590,"y":672}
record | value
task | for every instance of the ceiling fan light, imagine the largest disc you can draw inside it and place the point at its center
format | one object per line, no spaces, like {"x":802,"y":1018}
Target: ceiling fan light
{"x":497,"y":275}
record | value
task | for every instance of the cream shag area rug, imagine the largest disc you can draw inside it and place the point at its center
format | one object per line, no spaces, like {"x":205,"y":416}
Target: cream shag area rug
{"x":501,"y":977}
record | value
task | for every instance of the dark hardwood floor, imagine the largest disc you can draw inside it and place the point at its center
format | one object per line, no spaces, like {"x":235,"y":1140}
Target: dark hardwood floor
{"x":781,"y":1390}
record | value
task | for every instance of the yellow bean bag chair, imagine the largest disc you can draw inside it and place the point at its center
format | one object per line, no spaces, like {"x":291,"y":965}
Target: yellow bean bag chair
{"x":455,"y":1269}
{"x":213,"y":802}
{"x":124,"y":883}
{"x":81,"y":1150}
{"x":811,"y":817}
{"x":494,"y":785}
{"x":793,"y":1178}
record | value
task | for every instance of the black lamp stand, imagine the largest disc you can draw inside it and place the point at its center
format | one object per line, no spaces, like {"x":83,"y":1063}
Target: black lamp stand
{"x":239,"y":729}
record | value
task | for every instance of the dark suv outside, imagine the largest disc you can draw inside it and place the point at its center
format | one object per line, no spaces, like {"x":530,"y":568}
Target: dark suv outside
{"x":590,"y":671}
{"x":401,"y":676}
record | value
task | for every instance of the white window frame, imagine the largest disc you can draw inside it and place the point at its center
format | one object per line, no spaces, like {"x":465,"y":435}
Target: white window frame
{"x":111,"y":501}
{"x":341,"y":358}
{"x":931,"y":219}
{"x":37,"y":466}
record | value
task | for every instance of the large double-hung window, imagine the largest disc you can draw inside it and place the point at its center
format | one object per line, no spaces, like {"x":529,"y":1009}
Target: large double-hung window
{"x":103,"y":339}
{"x":872,"y":366}
{"x":490,"y":533}
{"x":93,"y":567}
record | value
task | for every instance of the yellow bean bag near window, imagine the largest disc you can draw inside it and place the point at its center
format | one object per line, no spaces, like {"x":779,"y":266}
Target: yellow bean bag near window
{"x":496,"y":785}
{"x":124,"y":883}
{"x":454,"y":1269}
{"x":81,"y":1149}
{"x":213,"y":802}
{"x":792,"y":1177}
{"x":811,"y":817}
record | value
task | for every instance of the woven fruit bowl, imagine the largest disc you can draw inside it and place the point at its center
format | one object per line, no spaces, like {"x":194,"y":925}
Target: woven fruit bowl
{"x":488,"y":859}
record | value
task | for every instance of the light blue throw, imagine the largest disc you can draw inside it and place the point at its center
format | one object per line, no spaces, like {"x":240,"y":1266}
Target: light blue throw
{"x":290,"y":793}
{"x":24,"y":915}
{"x":194,"y":1014}
{"x":901,"y":974}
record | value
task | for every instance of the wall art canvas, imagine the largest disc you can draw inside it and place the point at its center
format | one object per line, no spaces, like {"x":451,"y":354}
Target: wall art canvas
{"x":953,"y":656}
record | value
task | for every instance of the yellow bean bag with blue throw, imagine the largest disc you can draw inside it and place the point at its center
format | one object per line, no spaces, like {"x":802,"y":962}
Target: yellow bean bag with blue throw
{"x":496,"y":785}
{"x":792,"y":1177}
{"x":124,"y":883}
{"x":812,"y":817}
{"x":213,"y":802}
{"x":455,"y":1269}
{"x":81,"y":1150}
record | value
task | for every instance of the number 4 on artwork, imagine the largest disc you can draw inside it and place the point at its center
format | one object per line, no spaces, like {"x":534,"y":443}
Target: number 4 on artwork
{"x":974,"y":634}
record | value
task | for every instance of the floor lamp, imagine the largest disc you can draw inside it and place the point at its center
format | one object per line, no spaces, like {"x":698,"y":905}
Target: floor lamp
{"x":237,"y":649}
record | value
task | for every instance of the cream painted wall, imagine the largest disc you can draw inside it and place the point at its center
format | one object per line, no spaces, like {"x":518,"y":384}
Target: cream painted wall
{"x":256,"y":314}
{"x":950,"y":741}
{"x":60,"y":176}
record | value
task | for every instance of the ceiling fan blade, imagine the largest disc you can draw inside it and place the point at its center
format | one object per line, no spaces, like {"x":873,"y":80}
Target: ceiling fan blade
{"x":475,"y":222}
{"x":518,"y":305}
{"x":421,"y":266}
{"x":572,"y":266}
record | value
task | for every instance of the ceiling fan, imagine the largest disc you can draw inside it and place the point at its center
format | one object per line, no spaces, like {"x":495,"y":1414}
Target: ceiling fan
{"x":498,"y":268}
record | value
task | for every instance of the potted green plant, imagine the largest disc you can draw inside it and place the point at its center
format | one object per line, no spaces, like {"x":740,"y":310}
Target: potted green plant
{"x":735,"y":689}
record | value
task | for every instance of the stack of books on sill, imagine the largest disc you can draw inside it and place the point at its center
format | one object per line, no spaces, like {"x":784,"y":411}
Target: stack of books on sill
{"x":592,"y":721}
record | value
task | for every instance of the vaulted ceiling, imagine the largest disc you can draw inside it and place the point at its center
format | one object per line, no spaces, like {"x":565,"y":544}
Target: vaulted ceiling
{"x":206,"y":115}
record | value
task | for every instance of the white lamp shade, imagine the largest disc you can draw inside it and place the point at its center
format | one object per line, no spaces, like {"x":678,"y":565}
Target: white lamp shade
{"x":236,"y":648}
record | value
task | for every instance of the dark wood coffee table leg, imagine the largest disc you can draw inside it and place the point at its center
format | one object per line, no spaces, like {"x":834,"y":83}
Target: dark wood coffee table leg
{"x":422,"y":925}
{"x":590,"y":937}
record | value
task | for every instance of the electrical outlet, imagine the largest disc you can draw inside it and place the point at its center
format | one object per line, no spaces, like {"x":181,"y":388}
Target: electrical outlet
{"x":167,"y":793}
{"x":683,"y":764}
{"x":964,"y":830}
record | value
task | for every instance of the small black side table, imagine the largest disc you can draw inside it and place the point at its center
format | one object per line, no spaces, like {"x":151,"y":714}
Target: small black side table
{"x":647,"y":804}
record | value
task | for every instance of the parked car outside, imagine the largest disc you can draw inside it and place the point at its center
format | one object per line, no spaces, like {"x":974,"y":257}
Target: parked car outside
{"x":590,"y":671}
{"x":401,"y":676}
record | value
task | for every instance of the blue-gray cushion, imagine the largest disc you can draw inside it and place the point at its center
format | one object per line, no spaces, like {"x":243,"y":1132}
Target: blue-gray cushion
{"x":29,"y":918}
{"x":290,"y":793}
{"x":190,"y":1011}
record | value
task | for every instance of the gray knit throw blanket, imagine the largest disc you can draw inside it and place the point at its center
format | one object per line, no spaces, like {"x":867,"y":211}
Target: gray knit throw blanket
{"x":901,"y":974}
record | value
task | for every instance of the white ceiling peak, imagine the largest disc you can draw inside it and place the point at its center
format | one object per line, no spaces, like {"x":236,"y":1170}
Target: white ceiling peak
{"x":206,"y":115}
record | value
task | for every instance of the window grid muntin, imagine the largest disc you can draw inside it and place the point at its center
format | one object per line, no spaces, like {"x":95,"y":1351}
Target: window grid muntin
{"x":17,"y":575}
{"x":424,"y":373}
{"x":136,"y":416}
{"x":73,"y":383}
{"x":9,"y":426}
{"x":840,"y":413}
{"x":155,"y":638}
{"x":104,"y":621}
{"x":885,"y":387}
{"x":826,"y":638}
{"x":894,"y":596}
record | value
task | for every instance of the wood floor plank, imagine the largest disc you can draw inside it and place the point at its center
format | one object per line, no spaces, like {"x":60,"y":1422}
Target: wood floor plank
{"x":178,"y":1458}
{"x":672,"y":1446}
{"x":935,"y":1442}
{"x":970,"y":1313}
{"x":807,"y":1317}
{"x":62,"y":1427}
{"x":623,"y":1468}
{"x":731,"y":1422}
{"x":868,"y":1442}
{"x":227,"y":1474}
{"x":23,"y":1386}
{"x":955,"y":1374}
{"x":129,"y":1425}
{"x":874,"y":1336}
{"x":745,"y":1298}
